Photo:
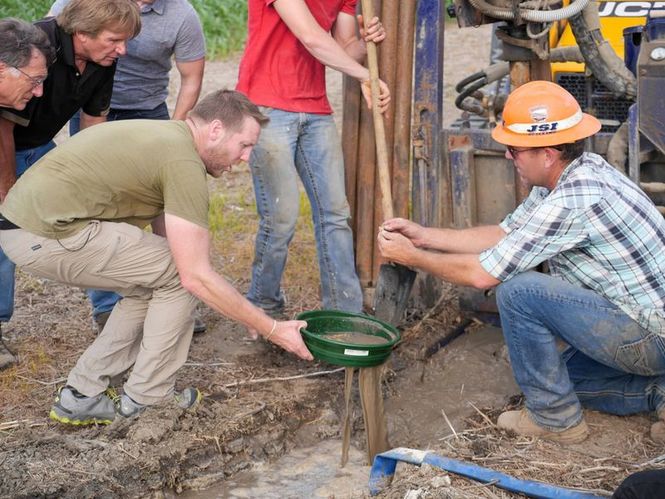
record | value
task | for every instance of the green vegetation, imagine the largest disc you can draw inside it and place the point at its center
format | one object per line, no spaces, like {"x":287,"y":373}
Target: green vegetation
{"x":24,"y":9}
{"x":224,"y":21}
{"x":224,"y":25}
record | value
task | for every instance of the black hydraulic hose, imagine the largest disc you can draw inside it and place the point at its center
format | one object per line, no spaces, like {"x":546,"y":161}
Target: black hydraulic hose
{"x":447,"y":338}
{"x":464,"y":82}
{"x":611,"y":73}
{"x":467,"y":92}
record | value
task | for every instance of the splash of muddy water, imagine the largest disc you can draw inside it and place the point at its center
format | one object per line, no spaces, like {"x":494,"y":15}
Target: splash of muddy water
{"x":346,"y":427}
{"x":371,"y":398}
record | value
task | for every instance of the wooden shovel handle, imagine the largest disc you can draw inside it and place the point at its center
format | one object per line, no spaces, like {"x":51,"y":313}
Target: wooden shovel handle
{"x":379,"y":130}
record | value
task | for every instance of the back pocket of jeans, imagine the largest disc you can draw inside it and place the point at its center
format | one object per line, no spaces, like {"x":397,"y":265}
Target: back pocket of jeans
{"x":642,"y":357}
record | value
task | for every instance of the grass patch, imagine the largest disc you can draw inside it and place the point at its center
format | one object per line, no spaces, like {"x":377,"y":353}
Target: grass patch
{"x":224,"y":21}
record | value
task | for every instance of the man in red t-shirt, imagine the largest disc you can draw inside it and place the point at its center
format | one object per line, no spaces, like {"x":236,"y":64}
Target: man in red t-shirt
{"x":289,"y":45}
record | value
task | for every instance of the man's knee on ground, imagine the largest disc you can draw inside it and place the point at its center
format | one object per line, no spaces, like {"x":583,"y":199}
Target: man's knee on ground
{"x":508,"y":292}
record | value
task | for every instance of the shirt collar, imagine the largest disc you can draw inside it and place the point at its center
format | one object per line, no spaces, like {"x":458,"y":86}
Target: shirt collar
{"x":157,"y":6}
{"x":66,"y":52}
{"x":571,"y":166}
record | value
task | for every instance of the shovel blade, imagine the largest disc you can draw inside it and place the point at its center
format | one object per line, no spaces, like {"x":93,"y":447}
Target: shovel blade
{"x":392,"y":292}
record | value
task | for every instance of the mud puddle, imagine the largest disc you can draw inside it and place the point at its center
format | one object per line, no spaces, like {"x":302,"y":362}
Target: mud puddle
{"x":472,"y":372}
{"x":312,"y":472}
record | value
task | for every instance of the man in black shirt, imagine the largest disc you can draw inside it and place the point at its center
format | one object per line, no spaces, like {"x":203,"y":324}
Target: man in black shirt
{"x":88,"y":37}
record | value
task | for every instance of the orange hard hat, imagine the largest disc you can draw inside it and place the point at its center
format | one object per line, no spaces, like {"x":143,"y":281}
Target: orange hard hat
{"x":541,"y":114}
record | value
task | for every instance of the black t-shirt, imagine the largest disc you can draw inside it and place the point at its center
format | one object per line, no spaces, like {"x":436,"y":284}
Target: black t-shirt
{"x":65,"y":92}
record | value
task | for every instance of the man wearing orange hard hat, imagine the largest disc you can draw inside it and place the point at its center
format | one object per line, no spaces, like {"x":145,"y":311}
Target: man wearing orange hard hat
{"x":604,"y":295}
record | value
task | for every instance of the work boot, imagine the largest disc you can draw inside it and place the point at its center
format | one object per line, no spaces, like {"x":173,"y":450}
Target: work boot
{"x":186,"y":399}
{"x":520,"y":422}
{"x":72,"y":407}
{"x":7,"y":358}
{"x":658,"y":428}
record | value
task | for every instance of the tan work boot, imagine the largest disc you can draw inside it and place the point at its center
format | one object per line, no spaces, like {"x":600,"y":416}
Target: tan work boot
{"x":658,"y":429}
{"x":520,"y":422}
{"x":7,"y":358}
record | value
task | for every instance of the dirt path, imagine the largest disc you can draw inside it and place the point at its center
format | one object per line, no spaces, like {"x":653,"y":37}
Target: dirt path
{"x":244,"y":419}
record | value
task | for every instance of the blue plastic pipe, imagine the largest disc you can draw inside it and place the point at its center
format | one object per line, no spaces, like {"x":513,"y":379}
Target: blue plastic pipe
{"x":384,"y":466}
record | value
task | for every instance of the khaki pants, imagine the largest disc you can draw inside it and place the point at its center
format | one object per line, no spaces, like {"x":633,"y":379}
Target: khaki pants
{"x":150,"y":328}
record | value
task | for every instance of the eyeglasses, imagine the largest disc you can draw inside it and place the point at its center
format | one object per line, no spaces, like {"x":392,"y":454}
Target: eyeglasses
{"x":514,"y":152}
{"x":35,"y":81}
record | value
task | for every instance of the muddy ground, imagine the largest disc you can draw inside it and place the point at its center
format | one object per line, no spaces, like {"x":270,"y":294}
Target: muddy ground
{"x":253,"y":412}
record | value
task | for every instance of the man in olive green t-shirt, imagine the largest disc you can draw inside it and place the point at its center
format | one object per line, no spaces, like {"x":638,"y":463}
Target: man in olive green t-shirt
{"x":78,"y":217}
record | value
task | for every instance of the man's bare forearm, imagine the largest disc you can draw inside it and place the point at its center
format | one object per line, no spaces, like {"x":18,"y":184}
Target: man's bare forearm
{"x":463,"y":269}
{"x":88,"y":121}
{"x":473,"y":240}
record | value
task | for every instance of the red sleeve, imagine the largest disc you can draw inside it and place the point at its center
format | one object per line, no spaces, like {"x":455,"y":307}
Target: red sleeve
{"x":349,"y":7}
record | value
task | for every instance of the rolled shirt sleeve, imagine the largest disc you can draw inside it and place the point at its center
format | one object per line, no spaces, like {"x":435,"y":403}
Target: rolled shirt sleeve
{"x":536,"y":231}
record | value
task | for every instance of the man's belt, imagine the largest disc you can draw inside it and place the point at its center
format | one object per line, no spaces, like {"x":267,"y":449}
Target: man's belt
{"x":6,"y":224}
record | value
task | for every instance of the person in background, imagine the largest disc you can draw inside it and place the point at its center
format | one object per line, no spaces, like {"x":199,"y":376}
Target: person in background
{"x":78,"y":218}
{"x":169,"y":29}
{"x":25,"y":54}
{"x":88,"y":37}
{"x":289,"y":45}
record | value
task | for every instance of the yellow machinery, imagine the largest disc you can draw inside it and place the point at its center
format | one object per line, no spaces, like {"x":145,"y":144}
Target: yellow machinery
{"x":614,"y":17}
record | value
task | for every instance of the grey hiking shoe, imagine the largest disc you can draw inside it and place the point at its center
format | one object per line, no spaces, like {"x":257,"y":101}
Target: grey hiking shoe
{"x":7,"y":358}
{"x":128,"y":407}
{"x":73,"y":408}
{"x":186,"y":399}
{"x":199,"y":326}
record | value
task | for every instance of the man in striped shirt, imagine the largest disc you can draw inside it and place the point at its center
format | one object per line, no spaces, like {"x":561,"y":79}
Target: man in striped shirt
{"x":604,"y":243}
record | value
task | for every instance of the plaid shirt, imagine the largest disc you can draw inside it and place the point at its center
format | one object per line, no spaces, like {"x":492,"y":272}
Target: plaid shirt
{"x":597,"y":230}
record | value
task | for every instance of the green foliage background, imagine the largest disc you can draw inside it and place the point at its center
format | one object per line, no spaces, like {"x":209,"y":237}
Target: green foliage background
{"x":224,"y":21}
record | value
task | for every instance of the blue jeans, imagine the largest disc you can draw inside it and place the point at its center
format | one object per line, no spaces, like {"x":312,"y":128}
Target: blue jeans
{"x":302,"y":145}
{"x":612,"y":364}
{"x":104,"y":301}
{"x":24,"y":160}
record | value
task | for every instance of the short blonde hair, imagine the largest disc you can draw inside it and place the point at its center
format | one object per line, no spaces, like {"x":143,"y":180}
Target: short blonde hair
{"x":91,"y":17}
{"x":230,"y":107}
